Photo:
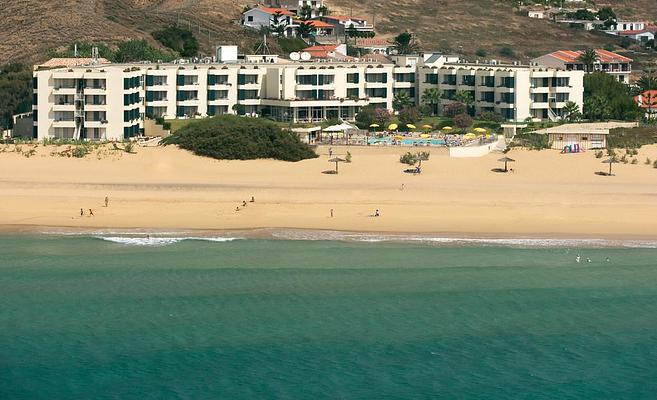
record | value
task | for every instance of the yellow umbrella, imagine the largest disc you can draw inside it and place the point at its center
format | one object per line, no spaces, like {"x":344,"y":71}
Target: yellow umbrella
{"x":425,"y":136}
{"x":398,"y":137}
{"x":427,"y":127}
{"x":411,"y":126}
{"x":470,"y":136}
{"x":447,"y":128}
{"x":392,"y":127}
{"x":480,"y":130}
{"x":374,"y":125}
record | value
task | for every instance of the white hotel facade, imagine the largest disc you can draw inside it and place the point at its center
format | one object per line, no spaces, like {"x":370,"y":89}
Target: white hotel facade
{"x":111,"y":101}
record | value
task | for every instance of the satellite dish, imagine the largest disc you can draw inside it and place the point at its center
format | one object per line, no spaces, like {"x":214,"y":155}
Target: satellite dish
{"x":305,"y":56}
{"x":295,"y":56}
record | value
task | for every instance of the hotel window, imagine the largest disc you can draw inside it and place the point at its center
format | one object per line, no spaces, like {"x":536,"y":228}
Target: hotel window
{"x":247,"y":94}
{"x":217,"y":79}
{"x":562,"y":97}
{"x":378,"y":92}
{"x":431,"y":79}
{"x":409,"y":77}
{"x":184,"y":95}
{"x":217,"y":94}
{"x":376,"y":78}
{"x":488,"y":81}
{"x":243,"y":79}
{"x":353,"y":93}
{"x":488,"y":97}
{"x":508,"y":82}
{"x":469,"y":80}
{"x":449,"y":80}
{"x":353,"y":78}
{"x":506,"y":98}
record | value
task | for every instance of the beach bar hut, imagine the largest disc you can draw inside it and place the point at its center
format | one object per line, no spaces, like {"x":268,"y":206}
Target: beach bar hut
{"x":573,"y":138}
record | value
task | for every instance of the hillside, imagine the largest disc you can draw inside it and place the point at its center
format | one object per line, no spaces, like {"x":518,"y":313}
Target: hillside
{"x":31,"y":27}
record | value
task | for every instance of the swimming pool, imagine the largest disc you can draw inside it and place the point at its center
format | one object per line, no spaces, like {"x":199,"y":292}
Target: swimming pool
{"x":407,"y":141}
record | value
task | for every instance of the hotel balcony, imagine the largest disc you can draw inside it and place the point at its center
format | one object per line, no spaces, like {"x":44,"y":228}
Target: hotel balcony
{"x":69,"y":123}
{"x":64,"y":107}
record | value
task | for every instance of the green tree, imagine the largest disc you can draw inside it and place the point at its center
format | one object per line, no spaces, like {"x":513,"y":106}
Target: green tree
{"x":648,"y":81}
{"x":571,"y":112}
{"x":382,"y":116}
{"x":401,"y":101}
{"x":621,"y":105}
{"x":351,"y":32}
{"x":607,"y":15}
{"x":305,"y":29}
{"x":466,"y":98}
{"x":365,"y":117}
{"x":405,"y":43}
{"x":597,"y":108}
{"x":306,"y":12}
{"x":431,"y":97}
{"x":277,"y":23}
{"x":409,"y":115}
{"x":463,"y":121}
{"x":140,"y":50}
{"x":588,"y":57}
{"x":15,"y":92}
{"x":179,"y":40}
{"x":323,"y":11}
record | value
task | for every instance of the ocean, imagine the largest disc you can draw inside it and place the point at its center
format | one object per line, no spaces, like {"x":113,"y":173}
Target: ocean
{"x":118,"y":316}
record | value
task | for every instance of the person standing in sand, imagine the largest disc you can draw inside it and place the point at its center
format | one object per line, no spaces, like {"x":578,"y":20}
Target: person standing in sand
{"x":106,"y":201}
{"x":331,"y":213}
{"x":81,"y":212}
{"x":91,"y":213}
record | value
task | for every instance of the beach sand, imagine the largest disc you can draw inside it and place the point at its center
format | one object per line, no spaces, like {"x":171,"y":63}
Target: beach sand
{"x":547,"y":195}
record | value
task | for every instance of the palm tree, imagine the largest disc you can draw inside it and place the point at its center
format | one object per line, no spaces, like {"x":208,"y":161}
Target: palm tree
{"x":405,"y":43}
{"x":648,"y":81}
{"x":589,"y":57}
{"x":571,"y":111}
{"x":432,"y":97}
{"x":465,"y":98}
{"x":401,"y":101}
{"x":323,"y":11}
{"x":277,"y":25}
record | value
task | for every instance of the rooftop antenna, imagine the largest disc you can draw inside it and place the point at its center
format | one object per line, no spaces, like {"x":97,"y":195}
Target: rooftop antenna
{"x":94,"y":55}
{"x":263,"y":48}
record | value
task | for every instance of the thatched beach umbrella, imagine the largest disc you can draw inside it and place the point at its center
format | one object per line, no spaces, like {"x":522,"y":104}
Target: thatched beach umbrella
{"x":610,"y":161}
{"x":337,"y":160}
{"x":506,"y":161}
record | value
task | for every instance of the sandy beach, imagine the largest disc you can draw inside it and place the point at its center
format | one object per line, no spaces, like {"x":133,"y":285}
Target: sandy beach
{"x":547,"y":195}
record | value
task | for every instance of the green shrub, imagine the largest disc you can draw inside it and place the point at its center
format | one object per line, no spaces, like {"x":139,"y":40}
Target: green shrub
{"x":408,"y":158}
{"x":481,"y":53}
{"x":634,"y":161}
{"x":532,"y":141}
{"x":230,"y":137}
{"x":80,"y":151}
{"x":129,"y":147}
{"x":179,"y":40}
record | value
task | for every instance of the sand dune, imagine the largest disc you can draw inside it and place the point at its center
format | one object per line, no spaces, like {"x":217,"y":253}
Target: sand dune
{"x":547,"y":195}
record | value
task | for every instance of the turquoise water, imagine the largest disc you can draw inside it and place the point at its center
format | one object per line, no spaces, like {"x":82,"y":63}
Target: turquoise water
{"x":85,"y":318}
{"x":408,"y":141}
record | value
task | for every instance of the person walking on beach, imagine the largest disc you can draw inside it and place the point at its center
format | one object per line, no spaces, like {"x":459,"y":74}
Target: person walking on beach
{"x":91,"y":213}
{"x":402,"y":187}
{"x":81,"y":212}
{"x":243,"y":203}
{"x":106,"y":201}
{"x":331,"y":213}
{"x":376,"y":213}
{"x":252,"y":199}
{"x":330,"y":151}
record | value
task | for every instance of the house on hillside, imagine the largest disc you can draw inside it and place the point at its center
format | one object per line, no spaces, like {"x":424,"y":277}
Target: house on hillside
{"x":643,"y":35}
{"x":329,"y":51}
{"x":296,"y":5}
{"x":342,"y":22}
{"x":611,"y":63}
{"x":375,"y":45}
{"x":320,"y":28}
{"x":271,"y":18}
{"x":648,"y":102}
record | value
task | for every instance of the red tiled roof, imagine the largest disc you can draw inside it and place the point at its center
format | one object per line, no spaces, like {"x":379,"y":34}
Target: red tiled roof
{"x":271,"y":10}
{"x":636,"y":32}
{"x":373,"y":42}
{"x":344,"y":18}
{"x":317,"y":24}
{"x":71,"y":62}
{"x":647,"y":99}
{"x":605,"y":56}
{"x":322,"y":51}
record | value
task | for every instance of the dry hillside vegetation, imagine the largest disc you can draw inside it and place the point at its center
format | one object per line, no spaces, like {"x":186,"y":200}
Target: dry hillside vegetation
{"x":31,"y":27}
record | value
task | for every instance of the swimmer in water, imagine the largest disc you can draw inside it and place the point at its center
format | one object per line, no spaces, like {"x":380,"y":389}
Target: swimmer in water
{"x":588,"y":260}
{"x":577,"y":258}
{"x":607,"y":259}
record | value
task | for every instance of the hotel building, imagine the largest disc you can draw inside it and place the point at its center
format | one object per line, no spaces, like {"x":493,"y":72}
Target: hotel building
{"x":111,"y":101}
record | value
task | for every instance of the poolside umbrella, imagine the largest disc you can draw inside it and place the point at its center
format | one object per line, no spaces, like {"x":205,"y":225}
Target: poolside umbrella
{"x":610,"y":161}
{"x":447,"y":128}
{"x":393,"y":127}
{"x":427,"y":127}
{"x":470,"y":136}
{"x":398,"y":137}
{"x":480,"y":130}
{"x":411,"y":126}
{"x":374,"y":125}
{"x":337,"y":160}
{"x":425,"y":136}
{"x":506,"y":161}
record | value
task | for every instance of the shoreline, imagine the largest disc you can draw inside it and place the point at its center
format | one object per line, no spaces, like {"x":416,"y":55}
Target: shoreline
{"x":297,"y":234}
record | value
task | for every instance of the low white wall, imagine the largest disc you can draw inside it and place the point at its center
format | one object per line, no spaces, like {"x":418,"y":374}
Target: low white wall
{"x":475,"y":151}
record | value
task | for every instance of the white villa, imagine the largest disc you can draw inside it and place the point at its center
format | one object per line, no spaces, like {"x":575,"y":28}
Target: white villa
{"x":112,"y":101}
{"x":609,"y":62}
{"x":266,"y":17}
